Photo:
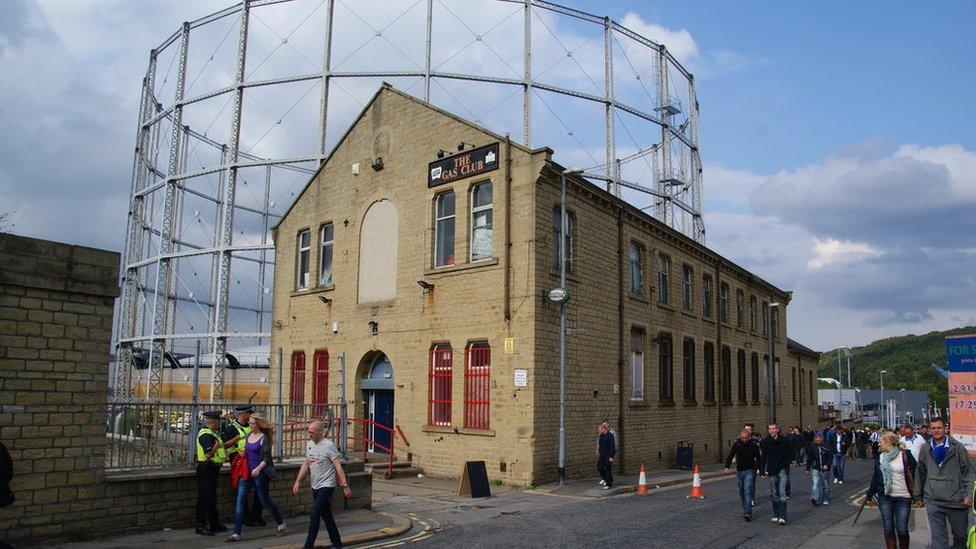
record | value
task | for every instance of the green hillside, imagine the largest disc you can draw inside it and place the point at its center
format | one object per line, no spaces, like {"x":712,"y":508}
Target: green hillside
{"x":906,"y":358}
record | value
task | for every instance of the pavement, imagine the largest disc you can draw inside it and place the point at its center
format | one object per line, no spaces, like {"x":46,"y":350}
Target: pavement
{"x":357,"y":527}
{"x":868,"y":531}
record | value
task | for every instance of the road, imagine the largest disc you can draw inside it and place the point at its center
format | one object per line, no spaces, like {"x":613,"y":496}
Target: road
{"x":666,"y":518}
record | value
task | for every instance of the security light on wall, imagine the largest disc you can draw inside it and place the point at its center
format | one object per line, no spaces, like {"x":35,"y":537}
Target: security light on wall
{"x":326,"y":300}
{"x":427,"y":286}
{"x":462,"y":144}
{"x":441,"y":153}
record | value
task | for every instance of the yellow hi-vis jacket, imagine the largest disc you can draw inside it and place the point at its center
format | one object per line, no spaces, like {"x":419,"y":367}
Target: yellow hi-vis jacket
{"x":219,"y":456}
{"x":242,"y":432}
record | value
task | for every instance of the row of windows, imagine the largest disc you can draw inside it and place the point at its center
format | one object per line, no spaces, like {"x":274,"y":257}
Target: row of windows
{"x":636,"y":258}
{"x":481,"y":225}
{"x":444,"y":236}
{"x":320,"y":379}
{"x":303,"y":265}
{"x":666,"y":370}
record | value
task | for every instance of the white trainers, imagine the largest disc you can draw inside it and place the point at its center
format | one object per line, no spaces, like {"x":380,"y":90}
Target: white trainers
{"x":605,"y":488}
{"x":825,"y":503}
{"x":782,"y":521}
{"x":603,"y":482}
{"x":774,"y":519}
{"x":840,"y":482}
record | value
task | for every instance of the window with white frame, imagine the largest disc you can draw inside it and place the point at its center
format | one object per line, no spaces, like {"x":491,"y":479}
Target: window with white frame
{"x":444,"y":229}
{"x":325,"y":254}
{"x":636,"y":268}
{"x":636,"y":364}
{"x":481,"y":244}
{"x":304,"y":256}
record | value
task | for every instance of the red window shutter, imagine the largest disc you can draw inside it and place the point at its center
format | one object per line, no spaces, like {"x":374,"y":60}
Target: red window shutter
{"x":439,"y":400}
{"x":320,"y":381}
{"x":297,"y":397}
{"x":477,"y":386}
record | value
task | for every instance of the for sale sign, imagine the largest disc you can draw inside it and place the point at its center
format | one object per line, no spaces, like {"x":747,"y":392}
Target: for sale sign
{"x":961,"y":359}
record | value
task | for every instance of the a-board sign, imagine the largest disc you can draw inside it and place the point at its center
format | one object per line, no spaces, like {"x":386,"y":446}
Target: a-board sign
{"x":474,"y":480}
{"x":463,"y":164}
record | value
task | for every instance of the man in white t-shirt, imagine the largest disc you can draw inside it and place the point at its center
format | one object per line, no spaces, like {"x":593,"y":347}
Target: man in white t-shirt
{"x":913,"y":441}
{"x":322,"y":460}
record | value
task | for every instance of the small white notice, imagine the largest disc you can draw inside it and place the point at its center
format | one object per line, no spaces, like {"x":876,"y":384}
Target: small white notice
{"x":521,"y":378}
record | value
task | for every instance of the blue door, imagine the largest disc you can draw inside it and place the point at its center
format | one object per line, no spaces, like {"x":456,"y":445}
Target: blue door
{"x":381,"y":411}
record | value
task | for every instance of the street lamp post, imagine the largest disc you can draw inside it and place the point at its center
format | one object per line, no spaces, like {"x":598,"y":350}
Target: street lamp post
{"x":563,"y":238}
{"x":847,"y":353}
{"x":903,"y":410}
{"x":770,"y":369}
{"x":881,"y":405}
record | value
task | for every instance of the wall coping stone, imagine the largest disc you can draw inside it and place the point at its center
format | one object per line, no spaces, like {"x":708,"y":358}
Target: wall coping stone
{"x":47,"y":265}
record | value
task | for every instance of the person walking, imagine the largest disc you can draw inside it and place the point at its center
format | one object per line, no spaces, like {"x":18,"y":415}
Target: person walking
{"x":839,"y":441}
{"x":776,"y":465}
{"x":875,"y":439}
{"x":913,"y":441}
{"x":322,"y":461}
{"x":819,"y":458}
{"x":257,"y":452}
{"x":943,"y":484}
{"x":892,"y":483}
{"x":210,"y":456}
{"x":606,"y":451}
{"x":862,"y":444}
{"x":745,"y":452}
{"x":235,"y":435}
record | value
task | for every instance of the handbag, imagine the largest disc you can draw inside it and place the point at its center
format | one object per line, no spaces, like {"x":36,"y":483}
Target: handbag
{"x":239,"y":469}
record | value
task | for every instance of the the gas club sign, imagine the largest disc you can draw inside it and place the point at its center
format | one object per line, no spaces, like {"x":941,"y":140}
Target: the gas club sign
{"x":461,"y":165}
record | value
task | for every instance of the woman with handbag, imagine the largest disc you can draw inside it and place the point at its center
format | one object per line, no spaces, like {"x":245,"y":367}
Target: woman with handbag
{"x":892,"y":483}
{"x":260,"y":471}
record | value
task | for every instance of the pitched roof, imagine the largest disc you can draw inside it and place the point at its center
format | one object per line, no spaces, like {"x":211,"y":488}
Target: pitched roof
{"x":793,"y":345}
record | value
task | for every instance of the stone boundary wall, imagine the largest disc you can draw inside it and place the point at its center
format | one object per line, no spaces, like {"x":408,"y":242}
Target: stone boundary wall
{"x":56,"y":309}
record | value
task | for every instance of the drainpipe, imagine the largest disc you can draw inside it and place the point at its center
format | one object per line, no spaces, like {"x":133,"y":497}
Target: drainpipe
{"x":717,"y":292}
{"x":507,"y":256}
{"x":621,"y":358}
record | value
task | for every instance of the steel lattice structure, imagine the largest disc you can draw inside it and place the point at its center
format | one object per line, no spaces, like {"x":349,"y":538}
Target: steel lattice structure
{"x":198,"y":255}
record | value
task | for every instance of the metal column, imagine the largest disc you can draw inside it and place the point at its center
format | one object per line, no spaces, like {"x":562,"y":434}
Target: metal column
{"x":527,"y":76}
{"x":164,"y":268}
{"x":227,"y":223}
{"x":430,"y":23}
{"x":326,"y":68}
{"x":609,"y":143}
{"x":661,"y":184}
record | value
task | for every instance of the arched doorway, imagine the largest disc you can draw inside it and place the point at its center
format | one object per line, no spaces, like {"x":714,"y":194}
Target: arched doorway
{"x":378,"y":399}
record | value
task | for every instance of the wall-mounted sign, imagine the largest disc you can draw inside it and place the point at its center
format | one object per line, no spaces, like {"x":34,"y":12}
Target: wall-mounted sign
{"x":509,"y":345}
{"x":463,"y":164}
{"x":521,"y":377}
{"x":558,"y":295}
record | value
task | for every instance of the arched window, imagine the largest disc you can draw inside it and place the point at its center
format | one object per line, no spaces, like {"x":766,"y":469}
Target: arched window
{"x":481,"y":219}
{"x":477,"y":385}
{"x":444,"y":229}
{"x":378,"y":253}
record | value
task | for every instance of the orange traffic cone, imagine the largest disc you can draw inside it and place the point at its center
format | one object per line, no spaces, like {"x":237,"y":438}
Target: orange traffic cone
{"x":642,"y":483}
{"x":696,"y":489}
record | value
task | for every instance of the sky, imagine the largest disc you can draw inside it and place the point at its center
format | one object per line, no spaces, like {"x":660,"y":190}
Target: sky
{"x":837,"y":143}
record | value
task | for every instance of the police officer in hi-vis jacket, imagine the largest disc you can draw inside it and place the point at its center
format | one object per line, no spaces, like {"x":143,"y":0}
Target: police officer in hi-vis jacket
{"x":210,"y":457}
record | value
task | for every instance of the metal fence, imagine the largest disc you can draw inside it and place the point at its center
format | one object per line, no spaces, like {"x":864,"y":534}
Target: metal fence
{"x":159,"y":435}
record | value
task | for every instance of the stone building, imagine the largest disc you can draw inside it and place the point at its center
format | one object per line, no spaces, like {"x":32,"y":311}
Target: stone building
{"x":422,"y":274}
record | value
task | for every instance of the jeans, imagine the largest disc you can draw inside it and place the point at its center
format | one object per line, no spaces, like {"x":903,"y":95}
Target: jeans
{"x":894,"y":515}
{"x":798,"y":452}
{"x":777,"y":492}
{"x":747,"y":489}
{"x":821,"y":486}
{"x":261,"y":485}
{"x":322,"y":510}
{"x":839,"y":466}
{"x":605,"y":468}
{"x":958,"y":522}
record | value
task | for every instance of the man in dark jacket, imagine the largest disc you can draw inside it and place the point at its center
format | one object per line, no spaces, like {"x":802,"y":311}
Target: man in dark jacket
{"x":819,"y":458}
{"x":776,"y":465}
{"x":746,"y":455}
{"x":944,"y":482}
{"x":839,"y":441}
{"x":607,"y":451}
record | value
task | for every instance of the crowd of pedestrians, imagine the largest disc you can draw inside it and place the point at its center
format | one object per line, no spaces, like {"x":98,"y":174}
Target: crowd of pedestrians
{"x":246,"y":442}
{"x":926,"y":468}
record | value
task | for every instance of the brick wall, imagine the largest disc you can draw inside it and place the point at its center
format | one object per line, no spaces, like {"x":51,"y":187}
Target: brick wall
{"x":56,"y":304}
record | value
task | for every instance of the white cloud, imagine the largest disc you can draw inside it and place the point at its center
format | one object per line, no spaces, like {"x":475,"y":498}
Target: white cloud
{"x":830,"y":250}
